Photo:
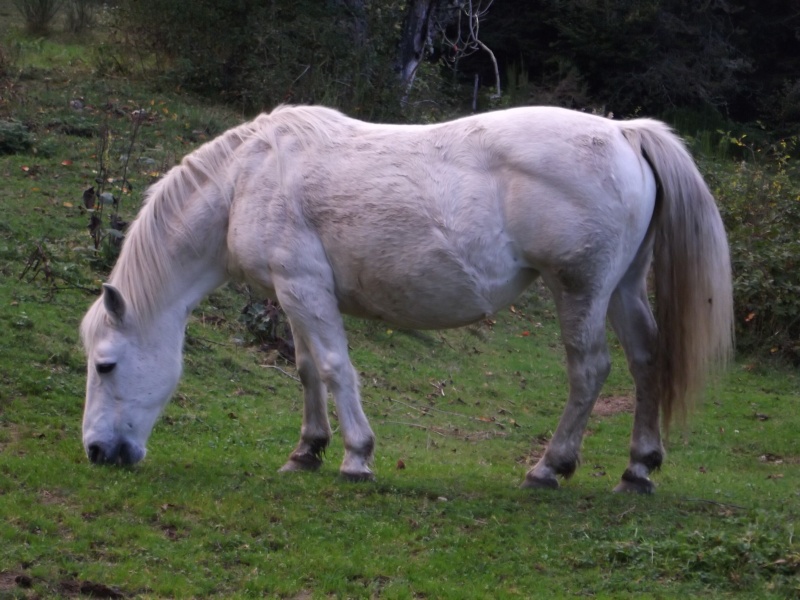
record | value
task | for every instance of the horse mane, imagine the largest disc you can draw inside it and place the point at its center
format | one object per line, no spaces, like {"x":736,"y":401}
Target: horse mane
{"x":144,"y":266}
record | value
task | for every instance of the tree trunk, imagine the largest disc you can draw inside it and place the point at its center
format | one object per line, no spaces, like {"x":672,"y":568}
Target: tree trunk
{"x":416,"y":30}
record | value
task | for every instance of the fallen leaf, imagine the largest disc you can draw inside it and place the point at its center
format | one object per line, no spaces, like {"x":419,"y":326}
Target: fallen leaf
{"x":66,"y":163}
{"x":67,"y":204}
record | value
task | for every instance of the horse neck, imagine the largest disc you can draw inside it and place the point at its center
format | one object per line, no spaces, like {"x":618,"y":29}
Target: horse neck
{"x":172,"y":268}
{"x":202,"y":260}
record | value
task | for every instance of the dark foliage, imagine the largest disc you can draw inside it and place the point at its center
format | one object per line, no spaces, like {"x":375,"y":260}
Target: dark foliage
{"x":739,"y":56}
{"x":257,"y":55}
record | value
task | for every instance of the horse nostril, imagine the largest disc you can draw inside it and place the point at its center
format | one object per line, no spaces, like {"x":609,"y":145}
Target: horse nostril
{"x":126,"y":456}
{"x":96,"y":454}
{"x":121,"y":452}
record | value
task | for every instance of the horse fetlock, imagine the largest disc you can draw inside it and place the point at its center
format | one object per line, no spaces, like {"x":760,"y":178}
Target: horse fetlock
{"x":651,"y":460}
{"x":314,"y":446}
{"x":307,"y":456}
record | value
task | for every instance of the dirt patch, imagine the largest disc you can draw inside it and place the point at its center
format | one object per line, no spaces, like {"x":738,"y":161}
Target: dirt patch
{"x":88,"y":588}
{"x":777,"y":459}
{"x":8,"y":581}
{"x":607,"y":406}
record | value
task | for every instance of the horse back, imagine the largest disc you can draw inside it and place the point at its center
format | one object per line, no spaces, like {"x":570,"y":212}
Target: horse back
{"x":432,"y":226}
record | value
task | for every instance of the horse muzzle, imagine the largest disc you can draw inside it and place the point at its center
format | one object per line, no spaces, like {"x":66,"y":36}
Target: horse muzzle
{"x":120,"y":452}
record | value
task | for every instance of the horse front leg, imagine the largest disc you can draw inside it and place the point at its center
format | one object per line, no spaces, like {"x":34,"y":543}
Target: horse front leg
{"x":317,"y":325}
{"x":315,"y":433}
{"x":588,"y":364}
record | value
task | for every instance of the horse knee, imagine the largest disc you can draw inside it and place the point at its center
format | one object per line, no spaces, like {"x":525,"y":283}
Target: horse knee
{"x":335,"y":370}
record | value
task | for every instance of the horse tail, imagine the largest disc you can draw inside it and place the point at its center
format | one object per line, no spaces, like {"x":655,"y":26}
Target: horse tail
{"x":692,"y":272}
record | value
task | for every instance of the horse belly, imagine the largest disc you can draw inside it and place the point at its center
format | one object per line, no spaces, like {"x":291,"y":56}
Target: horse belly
{"x":431,"y":289}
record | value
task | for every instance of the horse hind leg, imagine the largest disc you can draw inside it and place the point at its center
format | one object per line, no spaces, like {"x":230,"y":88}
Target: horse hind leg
{"x":588,"y":364}
{"x":315,"y":433}
{"x":633,"y":322}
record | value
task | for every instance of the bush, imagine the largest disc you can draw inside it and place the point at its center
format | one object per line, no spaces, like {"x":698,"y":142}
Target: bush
{"x":257,"y":55}
{"x":760,"y":204}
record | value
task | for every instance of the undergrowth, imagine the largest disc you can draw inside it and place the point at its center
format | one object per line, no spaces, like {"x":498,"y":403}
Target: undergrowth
{"x":760,"y":204}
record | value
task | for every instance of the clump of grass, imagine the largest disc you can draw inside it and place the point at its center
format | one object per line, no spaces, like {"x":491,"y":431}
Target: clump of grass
{"x":15,"y":138}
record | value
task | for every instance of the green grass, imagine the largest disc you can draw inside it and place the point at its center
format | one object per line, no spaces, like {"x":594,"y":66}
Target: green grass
{"x":207,"y":515}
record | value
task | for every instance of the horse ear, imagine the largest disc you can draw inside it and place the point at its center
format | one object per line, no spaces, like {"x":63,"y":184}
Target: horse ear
{"x":114,"y":303}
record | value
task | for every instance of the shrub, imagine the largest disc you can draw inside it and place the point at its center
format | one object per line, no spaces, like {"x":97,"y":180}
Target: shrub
{"x":760,"y":204}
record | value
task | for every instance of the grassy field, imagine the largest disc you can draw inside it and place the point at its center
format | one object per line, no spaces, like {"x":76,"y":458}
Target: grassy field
{"x":459,"y":416}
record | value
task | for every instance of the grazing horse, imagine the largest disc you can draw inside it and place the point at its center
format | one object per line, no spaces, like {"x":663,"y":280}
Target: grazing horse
{"x":423,"y":226}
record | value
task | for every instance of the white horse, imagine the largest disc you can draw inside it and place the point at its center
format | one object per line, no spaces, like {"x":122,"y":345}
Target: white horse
{"x":431,"y":226}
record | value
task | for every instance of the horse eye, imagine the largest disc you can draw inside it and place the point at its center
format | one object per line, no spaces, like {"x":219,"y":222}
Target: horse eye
{"x":104,"y":368}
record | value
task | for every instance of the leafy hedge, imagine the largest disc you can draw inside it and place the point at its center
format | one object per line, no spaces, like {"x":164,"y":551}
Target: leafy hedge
{"x":760,"y":204}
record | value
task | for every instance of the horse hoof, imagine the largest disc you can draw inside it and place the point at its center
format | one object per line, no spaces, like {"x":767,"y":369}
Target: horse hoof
{"x":539,"y":483}
{"x":306,"y":462}
{"x":357,"y":476}
{"x":637,"y":485}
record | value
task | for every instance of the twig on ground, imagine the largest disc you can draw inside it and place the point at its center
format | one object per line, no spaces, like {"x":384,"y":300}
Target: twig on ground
{"x":714,"y":502}
{"x":417,"y":425}
{"x":277,"y":368}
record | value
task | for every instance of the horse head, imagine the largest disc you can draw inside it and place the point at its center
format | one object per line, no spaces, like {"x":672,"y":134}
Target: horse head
{"x":131,"y":373}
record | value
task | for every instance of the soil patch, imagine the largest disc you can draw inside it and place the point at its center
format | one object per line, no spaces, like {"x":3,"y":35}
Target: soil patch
{"x":607,"y":406}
